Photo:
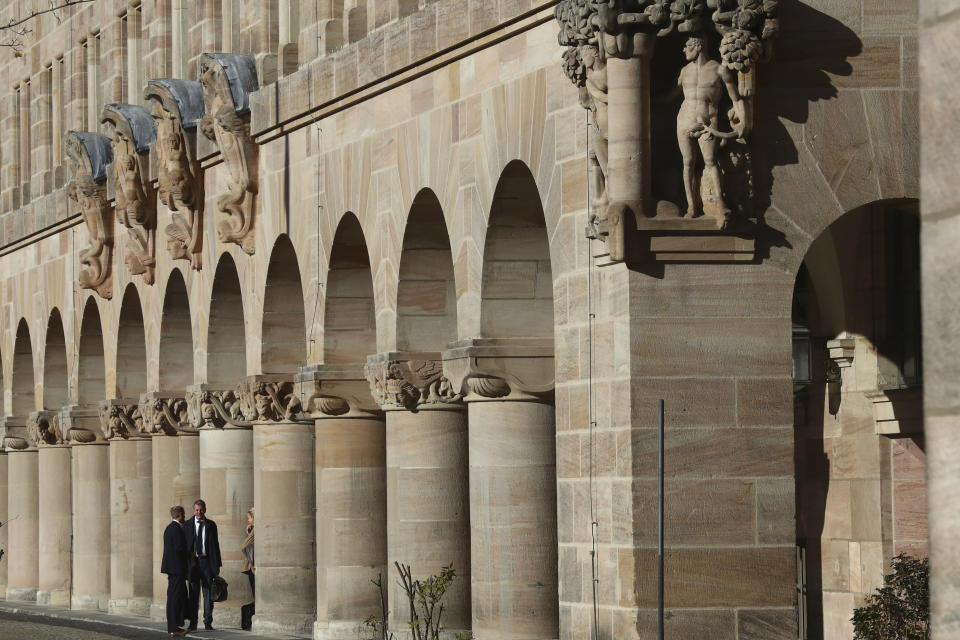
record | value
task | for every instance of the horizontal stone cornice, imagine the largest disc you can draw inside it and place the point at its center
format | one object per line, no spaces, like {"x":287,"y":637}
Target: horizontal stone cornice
{"x":336,"y":391}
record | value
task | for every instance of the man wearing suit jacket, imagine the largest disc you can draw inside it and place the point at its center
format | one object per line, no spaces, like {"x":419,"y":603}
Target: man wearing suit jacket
{"x":203,"y":546}
{"x":174,"y":564}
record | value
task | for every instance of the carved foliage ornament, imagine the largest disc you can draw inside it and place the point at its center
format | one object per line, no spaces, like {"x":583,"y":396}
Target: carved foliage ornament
{"x":44,"y":429}
{"x":135,"y":204}
{"x":121,"y":422}
{"x":593,"y":31}
{"x":410,"y":384}
{"x":166,"y":416}
{"x":176,"y":107}
{"x":89,"y":154}
{"x":227,"y":80}
{"x":209,"y":409}
{"x":270,"y":401}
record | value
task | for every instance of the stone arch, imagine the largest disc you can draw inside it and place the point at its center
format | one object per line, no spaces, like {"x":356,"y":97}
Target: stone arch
{"x":176,"y":336}
{"x":226,"y":341}
{"x":283,"y":346}
{"x":55,"y":376}
{"x":91,"y":374}
{"x":426,"y":288}
{"x":131,"y":365}
{"x":349,"y":322}
{"x":23,"y":384}
{"x":517,"y":286}
{"x":859,"y":446}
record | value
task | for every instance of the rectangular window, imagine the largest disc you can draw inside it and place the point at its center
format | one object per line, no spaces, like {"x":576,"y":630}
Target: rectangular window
{"x":58,"y":111}
{"x":46,"y":118}
{"x":94,"y":90}
{"x":135,"y":80}
{"x":25,"y":147}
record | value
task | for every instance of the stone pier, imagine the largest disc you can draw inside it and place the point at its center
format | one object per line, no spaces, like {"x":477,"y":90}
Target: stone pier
{"x":23,"y":577}
{"x":55,"y":525}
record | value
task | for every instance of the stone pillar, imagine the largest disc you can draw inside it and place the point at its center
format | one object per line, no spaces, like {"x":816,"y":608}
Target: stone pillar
{"x":22,"y":511}
{"x":428,"y":506}
{"x":283,"y":489}
{"x":55,"y":520}
{"x":131,"y":508}
{"x":351,"y":496}
{"x":3,"y":519}
{"x":90,"y":458}
{"x":176,"y":475}
{"x":508,"y":388}
{"x":226,"y":485}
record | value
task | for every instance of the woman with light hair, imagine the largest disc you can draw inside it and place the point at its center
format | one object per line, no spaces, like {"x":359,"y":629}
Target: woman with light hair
{"x":248,"y":566}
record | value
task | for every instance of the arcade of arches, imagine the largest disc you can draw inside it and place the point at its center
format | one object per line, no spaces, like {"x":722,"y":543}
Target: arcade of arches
{"x":414,"y":295}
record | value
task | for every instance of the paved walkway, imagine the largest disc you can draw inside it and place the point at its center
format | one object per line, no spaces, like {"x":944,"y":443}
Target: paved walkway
{"x":20,"y":620}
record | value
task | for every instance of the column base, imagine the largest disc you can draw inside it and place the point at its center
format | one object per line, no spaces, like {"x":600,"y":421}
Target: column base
{"x":223,"y":617}
{"x":22,"y":594}
{"x":139,"y":607}
{"x":90,"y":603}
{"x":55,"y":598}
{"x":158,"y":611}
{"x":3,"y":592}
{"x":284,"y":623}
{"x":338,"y":630}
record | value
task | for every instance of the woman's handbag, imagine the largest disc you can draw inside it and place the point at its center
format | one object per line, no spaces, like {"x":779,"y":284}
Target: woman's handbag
{"x":218,"y":589}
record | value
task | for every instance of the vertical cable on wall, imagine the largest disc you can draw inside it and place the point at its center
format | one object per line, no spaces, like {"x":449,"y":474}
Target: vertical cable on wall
{"x":590,"y":408}
{"x":316,"y":302}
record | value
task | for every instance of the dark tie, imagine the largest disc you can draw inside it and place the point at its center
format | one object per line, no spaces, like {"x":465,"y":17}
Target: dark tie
{"x":197,"y":543}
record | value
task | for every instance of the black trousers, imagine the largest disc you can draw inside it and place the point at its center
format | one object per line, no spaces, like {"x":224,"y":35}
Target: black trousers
{"x":176,"y":601}
{"x":200,"y":575}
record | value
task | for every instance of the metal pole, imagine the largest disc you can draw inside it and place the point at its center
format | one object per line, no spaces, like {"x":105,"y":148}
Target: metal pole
{"x":660,"y":530}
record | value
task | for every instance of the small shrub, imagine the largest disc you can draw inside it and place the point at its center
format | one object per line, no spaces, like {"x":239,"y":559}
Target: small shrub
{"x":900,"y":609}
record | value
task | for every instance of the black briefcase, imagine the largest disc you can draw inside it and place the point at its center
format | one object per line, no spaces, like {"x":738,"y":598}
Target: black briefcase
{"x":218,"y":589}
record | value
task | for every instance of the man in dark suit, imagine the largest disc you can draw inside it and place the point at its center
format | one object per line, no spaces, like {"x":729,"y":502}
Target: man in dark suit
{"x":203,"y":546}
{"x":174,"y":564}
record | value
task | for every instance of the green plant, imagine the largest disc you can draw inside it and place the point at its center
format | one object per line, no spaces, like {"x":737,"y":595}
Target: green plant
{"x":900,"y":609}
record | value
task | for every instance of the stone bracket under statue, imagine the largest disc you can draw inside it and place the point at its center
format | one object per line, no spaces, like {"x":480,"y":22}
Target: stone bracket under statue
{"x":130,"y":188}
{"x":609,"y":51}
{"x":336,"y":390}
{"x":89,"y":156}
{"x":519,"y":369}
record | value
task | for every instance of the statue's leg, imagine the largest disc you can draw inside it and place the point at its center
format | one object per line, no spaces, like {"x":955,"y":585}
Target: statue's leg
{"x":689,"y":153}
{"x":711,"y":191}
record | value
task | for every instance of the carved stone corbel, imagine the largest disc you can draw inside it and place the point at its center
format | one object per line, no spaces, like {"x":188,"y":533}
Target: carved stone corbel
{"x":13,"y":434}
{"x":44,"y":429}
{"x":227,"y":81}
{"x":135,"y":202}
{"x":333,"y":391}
{"x":269,"y":398}
{"x":209,"y":408}
{"x":410,"y":381}
{"x":609,"y":46}
{"x":165,"y":414}
{"x":89,"y":155}
{"x":501,"y":369}
{"x":121,"y":420}
{"x":176,"y":107}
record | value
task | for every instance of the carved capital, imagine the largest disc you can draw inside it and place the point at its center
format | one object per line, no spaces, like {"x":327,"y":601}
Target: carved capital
{"x":228,"y":79}
{"x":165,"y":414}
{"x":209,"y":408}
{"x":410,"y":381}
{"x":494,"y":369}
{"x":176,"y":107}
{"x":13,"y":434}
{"x":81,"y":425}
{"x":335,"y":391}
{"x":266,"y":398}
{"x":135,"y":202}
{"x":121,"y":419}
{"x":44,"y":429}
{"x":89,"y":154}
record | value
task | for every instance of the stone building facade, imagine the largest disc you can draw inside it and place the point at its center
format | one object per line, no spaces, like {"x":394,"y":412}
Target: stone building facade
{"x":410,"y":277}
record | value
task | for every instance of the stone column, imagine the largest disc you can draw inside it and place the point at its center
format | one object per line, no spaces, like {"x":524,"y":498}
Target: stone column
{"x":90,"y":458}
{"x":175,"y":451}
{"x":226,"y":485}
{"x":55,"y":508}
{"x":22,"y":511}
{"x":283,"y":489}
{"x":131,"y":508}
{"x":508,"y":388}
{"x":428,"y":507}
{"x":351,"y":496}
{"x":3,"y":519}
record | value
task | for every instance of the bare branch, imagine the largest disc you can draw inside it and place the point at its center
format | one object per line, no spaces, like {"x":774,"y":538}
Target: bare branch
{"x":64,"y":4}
{"x":15,"y":30}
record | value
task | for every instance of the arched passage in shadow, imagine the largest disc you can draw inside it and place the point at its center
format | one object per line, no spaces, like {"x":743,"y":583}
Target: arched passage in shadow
{"x":24,"y":384}
{"x":131,"y":347}
{"x":349,"y":321}
{"x":226,"y":343}
{"x":426,"y":292}
{"x":283,"y":348}
{"x":55,"y":378}
{"x":91,"y":378}
{"x":860,"y":489}
{"x":512,"y":424}
{"x":176,"y":337}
